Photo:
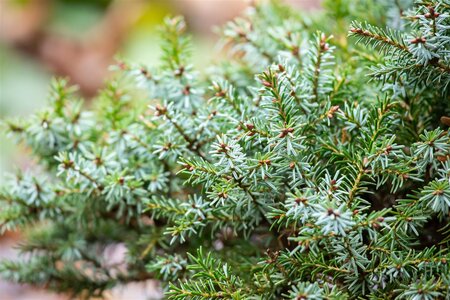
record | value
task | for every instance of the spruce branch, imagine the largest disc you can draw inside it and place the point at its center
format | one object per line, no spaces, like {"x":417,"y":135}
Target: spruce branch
{"x":282,"y":172}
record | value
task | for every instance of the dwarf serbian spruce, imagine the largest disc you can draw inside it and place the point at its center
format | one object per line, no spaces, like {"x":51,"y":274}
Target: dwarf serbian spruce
{"x":301,"y":166}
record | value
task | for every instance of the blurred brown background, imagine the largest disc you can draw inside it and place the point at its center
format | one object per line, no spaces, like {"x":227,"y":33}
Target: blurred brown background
{"x":79,"y":39}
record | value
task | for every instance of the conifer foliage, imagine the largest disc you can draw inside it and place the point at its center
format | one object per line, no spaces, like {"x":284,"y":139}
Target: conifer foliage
{"x":303,"y":166}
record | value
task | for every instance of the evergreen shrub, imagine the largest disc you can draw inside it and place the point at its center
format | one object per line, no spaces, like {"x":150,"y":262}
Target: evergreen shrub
{"x":305,"y":164}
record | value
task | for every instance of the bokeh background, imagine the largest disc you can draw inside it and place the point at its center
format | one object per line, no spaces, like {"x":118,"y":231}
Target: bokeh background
{"x":79,"y":39}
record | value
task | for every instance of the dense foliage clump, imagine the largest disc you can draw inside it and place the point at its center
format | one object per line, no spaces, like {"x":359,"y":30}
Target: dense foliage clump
{"x":302,"y":166}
